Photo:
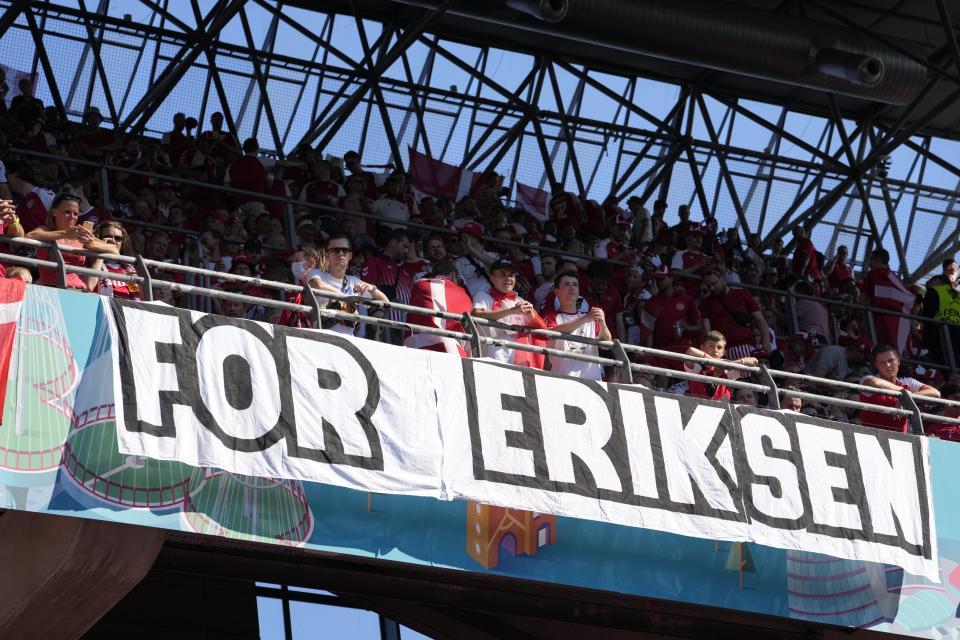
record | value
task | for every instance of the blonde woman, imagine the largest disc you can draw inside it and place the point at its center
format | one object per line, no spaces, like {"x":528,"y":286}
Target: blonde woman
{"x":63,"y":229}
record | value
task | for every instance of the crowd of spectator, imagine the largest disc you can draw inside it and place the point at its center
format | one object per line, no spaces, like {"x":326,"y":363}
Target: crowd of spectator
{"x":658,"y":279}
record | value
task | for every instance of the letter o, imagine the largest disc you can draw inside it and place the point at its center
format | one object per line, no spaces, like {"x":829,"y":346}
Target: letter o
{"x":261,"y":416}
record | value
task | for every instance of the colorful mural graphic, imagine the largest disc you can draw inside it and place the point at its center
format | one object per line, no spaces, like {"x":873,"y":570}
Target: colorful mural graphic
{"x":492,"y":530}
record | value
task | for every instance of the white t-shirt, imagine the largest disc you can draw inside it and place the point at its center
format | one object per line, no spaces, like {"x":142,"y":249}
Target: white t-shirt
{"x":346,"y":285}
{"x":576,"y":368}
{"x":910,"y":384}
{"x":484,"y":301}
{"x":475,"y":279}
{"x":390,"y":209}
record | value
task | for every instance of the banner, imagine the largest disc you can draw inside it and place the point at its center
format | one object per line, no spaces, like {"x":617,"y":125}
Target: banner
{"x":270,"y":401}
{"x":534,"y":201}
{"x":438,"y":179}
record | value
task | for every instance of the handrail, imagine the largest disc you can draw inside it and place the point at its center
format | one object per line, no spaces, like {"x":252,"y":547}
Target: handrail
{"x":642,"y":368}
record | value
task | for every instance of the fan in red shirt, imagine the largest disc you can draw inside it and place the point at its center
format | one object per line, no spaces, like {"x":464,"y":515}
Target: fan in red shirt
{"x":352,"y":161}
{"x":439,"y":292}
{"x":734,"y":313}
{"x":713,"y":346}
{"x":322,"y":190}
{"x":886,"y":359}
{"x":565,"y":211}
{"x":837,"y":270}
{"x":247,"y":172}
{"x":690,"y":260}
{"x":671,"y":319}
{"x":944,"y":430}
{"x":805,"y":262}
{"x":35,"y":202}
{"x":604,"y":294}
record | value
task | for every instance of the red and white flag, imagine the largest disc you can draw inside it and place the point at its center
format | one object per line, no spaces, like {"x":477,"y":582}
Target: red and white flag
{"x":11,"y":301}
{"x":438,"y":294}
{"x":533,"y":201}
{"x":438,"y":179}
{"x":886,"y":291}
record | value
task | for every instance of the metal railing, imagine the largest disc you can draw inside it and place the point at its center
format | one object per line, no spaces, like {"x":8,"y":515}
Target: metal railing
{"x":620,"y":365}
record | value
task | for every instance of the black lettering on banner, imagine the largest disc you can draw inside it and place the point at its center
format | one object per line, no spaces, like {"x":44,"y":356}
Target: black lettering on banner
{"x":691,"y":456}
{"x":846,"y":468}
{"x":253,"y":386}
{"x":188,"y":378}
{"x":577,"y":399}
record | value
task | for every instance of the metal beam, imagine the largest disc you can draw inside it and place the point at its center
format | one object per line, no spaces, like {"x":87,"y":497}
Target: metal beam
{"x":564,"y":127}
{"x":410,"y":35}
{"x":193,"y":46}
{"x":763,"y":122}
{"x":514,"y":100}
{"x":375,"y":85}
{"x":858,"y":181}
{"x":724,"y":169}
{"x":662,"y":125}
{"x":214,"y":72}
{"x":41,"y":51}
{"x":262,"y":82}
{"x":98,"y":60}
{"x":10,"y":15}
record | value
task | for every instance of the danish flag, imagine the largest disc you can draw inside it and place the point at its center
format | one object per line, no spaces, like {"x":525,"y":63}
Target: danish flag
{"x":438,"y":179}
{"x":534,"y":201}
{"x":11,"y":301}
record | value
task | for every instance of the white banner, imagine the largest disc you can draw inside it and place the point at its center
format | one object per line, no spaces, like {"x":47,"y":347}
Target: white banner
{"x":264,"y":400}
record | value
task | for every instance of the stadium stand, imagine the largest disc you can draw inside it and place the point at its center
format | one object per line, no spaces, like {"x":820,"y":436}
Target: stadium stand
{"x":649,"y":280}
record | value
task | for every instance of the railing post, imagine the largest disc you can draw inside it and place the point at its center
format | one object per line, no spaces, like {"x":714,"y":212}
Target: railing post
{"x":105,"y":189}
{"x":146,"y":287}
{"x":948,"y":347}
{"x":309,"y":298}
{"x":55,"y":253}
{"x":626,"y":373}
{"x":871,"y":326}
{"x":792,"y":308}
{"x":290,"y":223}
{"x":916,"y":422}
{"x":773,"y":397}
{"x":471,"y":327}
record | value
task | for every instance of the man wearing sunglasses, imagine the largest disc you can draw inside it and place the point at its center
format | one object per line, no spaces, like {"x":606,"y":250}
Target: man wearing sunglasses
{"x":331,"y":275}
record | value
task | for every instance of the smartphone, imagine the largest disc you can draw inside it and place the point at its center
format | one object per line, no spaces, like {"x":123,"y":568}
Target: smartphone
{"x":88,"y":225}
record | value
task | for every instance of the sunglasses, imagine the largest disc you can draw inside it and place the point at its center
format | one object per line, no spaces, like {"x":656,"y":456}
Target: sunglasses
{"x":117,"y":239}
{"x":340,"y":250}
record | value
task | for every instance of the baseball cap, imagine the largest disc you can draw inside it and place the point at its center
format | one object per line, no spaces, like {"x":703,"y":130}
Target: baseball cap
{"x":662,"y":271}
{"x":501,"y":264}
{"x":695,"y":228}
{"x":472,"y":228}
{"x":621,"y":221}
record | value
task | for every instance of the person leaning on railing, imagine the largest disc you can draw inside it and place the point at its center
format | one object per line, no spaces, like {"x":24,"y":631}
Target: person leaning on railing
{"x":113,"y":233}
{"x":63,"y":229}
{"x":886,"y":359}
{"x":713,"y":346}
{"x":949,"y":391}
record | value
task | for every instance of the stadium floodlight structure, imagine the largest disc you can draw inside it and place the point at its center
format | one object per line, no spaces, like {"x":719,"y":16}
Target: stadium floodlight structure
{"x":732,"y":121}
